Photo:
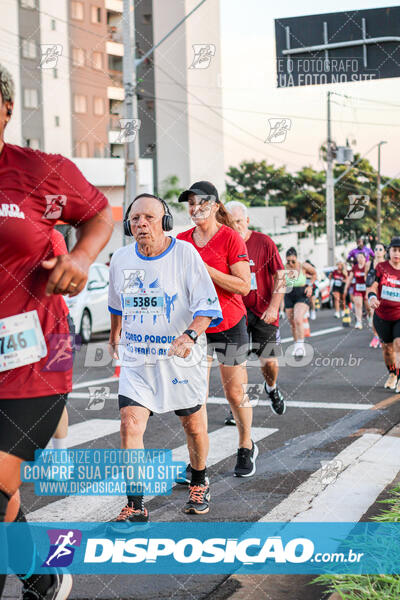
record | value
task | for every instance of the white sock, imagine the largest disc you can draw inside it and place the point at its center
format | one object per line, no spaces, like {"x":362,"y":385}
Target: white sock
{"x":59,"y":443}
{"x":269,"y":389}
{"x":300,"y":342}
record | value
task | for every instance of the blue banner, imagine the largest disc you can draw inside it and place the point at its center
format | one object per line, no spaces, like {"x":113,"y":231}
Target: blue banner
{"x":200,"y":548}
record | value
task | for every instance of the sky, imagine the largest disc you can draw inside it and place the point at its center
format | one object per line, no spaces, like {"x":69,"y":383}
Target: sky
{"x":250,"y":95}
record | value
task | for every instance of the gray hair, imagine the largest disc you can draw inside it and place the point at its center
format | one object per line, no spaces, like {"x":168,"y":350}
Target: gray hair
{"x":235,"y":204}
{"x":6,"y":85}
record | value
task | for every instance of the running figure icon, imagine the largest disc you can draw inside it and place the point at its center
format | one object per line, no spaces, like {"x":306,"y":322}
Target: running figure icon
{"x":62,"y":550}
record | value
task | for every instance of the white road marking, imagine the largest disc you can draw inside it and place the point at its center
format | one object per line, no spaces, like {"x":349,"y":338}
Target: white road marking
{"x":223,"y":443}
{"x":84,"y":384}
{"x":92,"y":429}
{"x":363,"y":470}
{"x":292,"y":403}
{"x":315,"y":334}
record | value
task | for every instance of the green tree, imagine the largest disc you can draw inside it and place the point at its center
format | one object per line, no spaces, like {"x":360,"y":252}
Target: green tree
{"x":170,"y":191}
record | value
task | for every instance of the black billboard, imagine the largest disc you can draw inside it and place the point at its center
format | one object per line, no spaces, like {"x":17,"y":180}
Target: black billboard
{"x":355,"y":45}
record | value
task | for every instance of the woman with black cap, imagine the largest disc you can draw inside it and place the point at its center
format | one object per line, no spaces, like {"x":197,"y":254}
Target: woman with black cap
{"x":225,"y":255}
{"x":384,"y":299}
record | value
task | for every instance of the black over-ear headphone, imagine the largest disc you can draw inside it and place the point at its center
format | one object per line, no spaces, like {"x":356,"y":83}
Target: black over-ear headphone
{"x":9,"y":112}
{"x":167,"y":220}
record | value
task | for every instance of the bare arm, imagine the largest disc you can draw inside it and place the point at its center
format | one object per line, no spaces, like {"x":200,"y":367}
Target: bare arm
{"x":73,"y":267}
{"x":310,"y":271}
{"x":115,"y":334}
{"x":271,"y":313}
{"x":239,"y":282}
{"x":182,"y":345}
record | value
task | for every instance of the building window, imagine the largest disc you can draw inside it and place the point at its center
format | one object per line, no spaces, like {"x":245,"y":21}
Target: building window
{"x":98,"y":150}
{"x":29,"y":49}
{"x":78,"y":57}
{"x":55,"y":73}
{"x":97,"y":60}
{"x":95,"y":13}
{"x":31,"y":98}
{"x":53,"y":24}
{"x":77,"y":10}
{"x":32,"y":143}
{"x":147,"y":19}
{"x":82,"y":149}
{"x":57,"y":121}
{"x":98,"y":106}
{"x":28,"y":3}
{"x":80,"y":104}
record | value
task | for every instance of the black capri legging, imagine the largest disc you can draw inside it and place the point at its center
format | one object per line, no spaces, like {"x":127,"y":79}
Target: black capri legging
{"x":386,"y":330}
{"x":27,"y":424}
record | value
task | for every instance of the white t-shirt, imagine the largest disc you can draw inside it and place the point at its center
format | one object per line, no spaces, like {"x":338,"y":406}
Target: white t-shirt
{"x":158,"y":298}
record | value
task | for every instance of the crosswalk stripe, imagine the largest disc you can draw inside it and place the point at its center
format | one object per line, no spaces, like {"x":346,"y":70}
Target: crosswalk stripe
{"x":292,"y":403}
{"x":362,"y":472}
{"x":84,"y":384}
{"x":92,"y":429}
{"x":223,"y":443}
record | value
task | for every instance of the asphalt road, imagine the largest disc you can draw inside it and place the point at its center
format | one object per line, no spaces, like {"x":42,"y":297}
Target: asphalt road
{"x":333,"y":400}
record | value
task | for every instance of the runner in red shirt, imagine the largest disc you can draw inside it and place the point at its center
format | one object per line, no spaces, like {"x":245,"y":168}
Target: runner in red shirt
{"x":357,"y":276}
{"x":225,"y":255}
{"x":338,"y":278}
{"x":384,"y":299}
{"x":36,"y":189}
{"x":263,"y":301}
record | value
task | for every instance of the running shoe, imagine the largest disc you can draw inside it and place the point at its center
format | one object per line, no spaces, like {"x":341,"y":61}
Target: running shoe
{"x":369,"y":319}
{"x":374,"y":342}
{"x":132,"y":515}
{"x":59,"y":590}
{"x":246,"y":461}
{"x":398,"y":386}
{"x":277,"y":402}
{"x":391,"y":382}
{"x":358,"y":325}
{"x":230,"y":419}
{"x":313,"y":315}
{"x":337,"y":315}
{"x":299,"y":349}
{"x":199,"y":498}
{"x":187,"y":477}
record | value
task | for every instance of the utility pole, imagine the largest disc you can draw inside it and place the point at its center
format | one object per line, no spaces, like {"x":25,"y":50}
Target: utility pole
{"x":130,"y":108}
{"x":379,"y":195}
{"x":330,"y":191}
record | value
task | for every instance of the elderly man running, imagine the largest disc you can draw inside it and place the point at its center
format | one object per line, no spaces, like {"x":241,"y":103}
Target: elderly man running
{"x":161,"y":301}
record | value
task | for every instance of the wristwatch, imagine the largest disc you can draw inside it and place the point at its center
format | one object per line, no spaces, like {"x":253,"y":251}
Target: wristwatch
{"x":192,"y":334}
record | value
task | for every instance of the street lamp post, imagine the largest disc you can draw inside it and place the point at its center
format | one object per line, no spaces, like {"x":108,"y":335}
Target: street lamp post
{"x":379,"y":195}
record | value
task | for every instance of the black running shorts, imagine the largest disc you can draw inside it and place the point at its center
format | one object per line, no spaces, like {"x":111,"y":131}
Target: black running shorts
{"x":296,"y":295}
{"x":27,"y":424}
{"x":182,"y":412}
{"x":386,"y":330}
{"x":265,"y":340}
{"x":231,"y":345}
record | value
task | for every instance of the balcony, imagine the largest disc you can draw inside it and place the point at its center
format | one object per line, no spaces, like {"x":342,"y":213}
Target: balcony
{"x":115,"y":92}
{"x":116,"y":78}
{"x":114,"y":129}
{"x":114,"y":6}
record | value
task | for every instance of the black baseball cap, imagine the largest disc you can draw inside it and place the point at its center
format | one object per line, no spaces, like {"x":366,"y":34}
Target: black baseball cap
{"x":200,"y":188}
{"x":395,"y":242}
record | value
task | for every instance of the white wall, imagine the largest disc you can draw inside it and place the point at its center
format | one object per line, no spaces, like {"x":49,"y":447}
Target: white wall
{"x":206,"y":138}
{"x":56,"y":92}
{"x":9,"y":57}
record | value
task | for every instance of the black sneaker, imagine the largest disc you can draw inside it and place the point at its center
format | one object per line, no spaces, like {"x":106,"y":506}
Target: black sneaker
{"x":131,"y":517}
{"x":187,"y":477}
{"x":277,"y":402}
{"x":246,"y":461}
{"x":59,"y":590}
{"x":230,"y":419}
{"x":199,"y":498}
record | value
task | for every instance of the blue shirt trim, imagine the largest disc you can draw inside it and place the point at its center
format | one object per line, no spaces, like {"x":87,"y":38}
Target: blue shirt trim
{"x":217,"y":314}
{"x":114,"y":311}
{"x":172,"y":244}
